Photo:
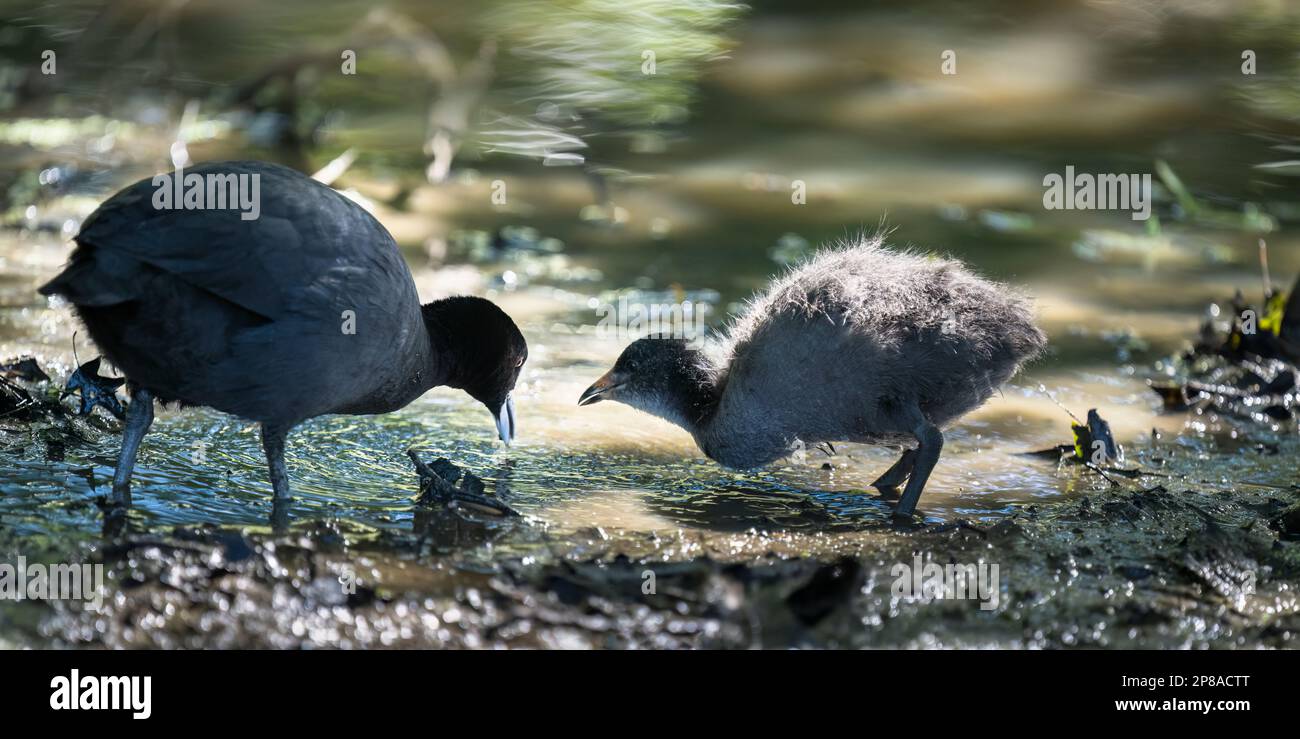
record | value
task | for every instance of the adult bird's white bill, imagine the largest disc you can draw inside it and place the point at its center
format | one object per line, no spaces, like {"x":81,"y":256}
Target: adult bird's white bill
{"x":505,"y":418}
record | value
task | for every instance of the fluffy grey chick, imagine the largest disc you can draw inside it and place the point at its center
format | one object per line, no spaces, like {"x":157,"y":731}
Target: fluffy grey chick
{"x":861,"y":343}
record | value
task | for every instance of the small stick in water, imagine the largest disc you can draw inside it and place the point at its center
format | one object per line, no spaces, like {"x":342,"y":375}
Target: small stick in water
{"x":1043,"y":389}
{"x":1263,"y":265}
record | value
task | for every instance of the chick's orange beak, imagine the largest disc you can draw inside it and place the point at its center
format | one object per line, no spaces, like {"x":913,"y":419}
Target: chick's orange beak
{"x":601,"y":388}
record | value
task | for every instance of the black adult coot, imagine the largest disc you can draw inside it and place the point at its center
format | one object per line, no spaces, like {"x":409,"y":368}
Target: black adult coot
{"x":860,"y":344}
{"x":306,"y":310}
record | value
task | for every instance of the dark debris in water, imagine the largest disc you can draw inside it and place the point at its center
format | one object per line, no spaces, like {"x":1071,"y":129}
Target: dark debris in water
{"x":1093,"y":442}
{"x":1252,"y":392}
{"x":95,"y":390}
{"x":25,"y":369}
{"x":1093,"y":439}
{"x":33,"y":421}
{"x":444,"y":484}
{"x":1247,"y":373}
{"x":1095,"y":448}
{"x":20,"y":398}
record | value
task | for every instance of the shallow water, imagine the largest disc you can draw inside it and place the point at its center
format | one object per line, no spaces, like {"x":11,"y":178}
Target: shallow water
{"x":606,"y":467}
{"x":855,"y":110}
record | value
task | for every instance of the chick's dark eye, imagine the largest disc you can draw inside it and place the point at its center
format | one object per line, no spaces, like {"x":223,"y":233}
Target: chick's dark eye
{"x":520,"y":363}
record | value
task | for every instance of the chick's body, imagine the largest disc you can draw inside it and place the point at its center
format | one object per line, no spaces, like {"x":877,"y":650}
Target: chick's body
{"x":861,"y":343}
{"x":854,"y":344}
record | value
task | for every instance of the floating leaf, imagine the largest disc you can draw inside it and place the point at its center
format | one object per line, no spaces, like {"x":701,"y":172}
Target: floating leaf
{"x":95,"y":390}
{"x":438,"y":487}
{"x":1088,"y":435}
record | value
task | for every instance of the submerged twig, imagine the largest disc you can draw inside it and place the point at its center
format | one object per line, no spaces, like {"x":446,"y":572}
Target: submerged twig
{"x":438,"y":485}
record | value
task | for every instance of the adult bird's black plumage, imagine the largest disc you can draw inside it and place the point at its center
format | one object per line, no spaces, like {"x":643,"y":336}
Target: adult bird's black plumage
{"x":307,"y":310}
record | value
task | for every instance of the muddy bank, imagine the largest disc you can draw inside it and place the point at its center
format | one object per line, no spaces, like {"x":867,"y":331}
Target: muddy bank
{"x":1133,"y":567}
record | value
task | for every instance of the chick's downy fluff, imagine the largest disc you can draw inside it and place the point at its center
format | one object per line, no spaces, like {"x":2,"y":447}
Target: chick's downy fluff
{"x":847,"y":345}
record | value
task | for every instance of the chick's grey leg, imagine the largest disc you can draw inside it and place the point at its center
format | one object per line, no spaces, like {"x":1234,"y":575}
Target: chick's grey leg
{"x":139,"y":417}
{"x":273,"y":436}
{"x":888,"y":483}
{"x":931,"y":443}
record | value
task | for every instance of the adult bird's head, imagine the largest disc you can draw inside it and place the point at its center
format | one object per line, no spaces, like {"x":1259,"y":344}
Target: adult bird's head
{"x":481,"y":351}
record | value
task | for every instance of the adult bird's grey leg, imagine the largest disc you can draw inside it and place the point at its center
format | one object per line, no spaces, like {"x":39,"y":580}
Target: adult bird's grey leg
{"x":273,"y":444}
{"x":888,"y":483}
{"x":931,"y":443}
{"x":139,"y":417}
